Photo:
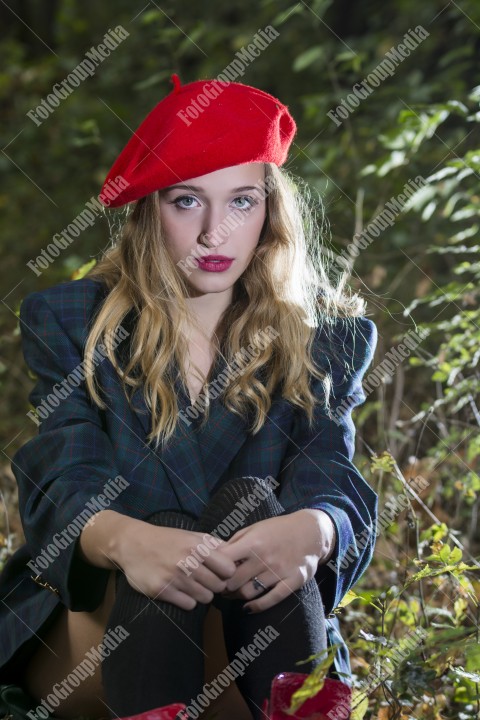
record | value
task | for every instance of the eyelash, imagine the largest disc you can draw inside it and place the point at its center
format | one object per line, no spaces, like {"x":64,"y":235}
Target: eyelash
{"x":252,"y":201}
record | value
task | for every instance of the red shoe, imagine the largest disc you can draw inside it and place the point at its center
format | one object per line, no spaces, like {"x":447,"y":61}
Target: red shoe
{"x":169,"y":712}
{"x":332,"y":702}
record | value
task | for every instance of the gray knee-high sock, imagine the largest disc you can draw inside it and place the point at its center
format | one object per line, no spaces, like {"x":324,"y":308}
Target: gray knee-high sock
{"x":287,"y":633}
{"x":162,"y":659}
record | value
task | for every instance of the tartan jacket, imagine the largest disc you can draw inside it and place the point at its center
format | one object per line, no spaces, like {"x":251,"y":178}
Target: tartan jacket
{"x":79,"y":448}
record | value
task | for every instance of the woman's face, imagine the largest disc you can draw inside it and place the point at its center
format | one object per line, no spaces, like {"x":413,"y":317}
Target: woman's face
{"x":229,"y":207}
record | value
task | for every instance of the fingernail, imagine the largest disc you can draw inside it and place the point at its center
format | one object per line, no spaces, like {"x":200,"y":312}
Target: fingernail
{"x":246,"y":609}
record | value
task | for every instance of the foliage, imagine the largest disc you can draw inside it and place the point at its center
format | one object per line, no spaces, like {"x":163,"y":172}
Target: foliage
{"x":422,"y":271}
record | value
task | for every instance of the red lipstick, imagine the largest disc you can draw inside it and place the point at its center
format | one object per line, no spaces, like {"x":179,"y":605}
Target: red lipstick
{"x":214,"y":263}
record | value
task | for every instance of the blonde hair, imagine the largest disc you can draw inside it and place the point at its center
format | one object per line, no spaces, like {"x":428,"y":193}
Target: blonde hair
{"x":285,"y":287}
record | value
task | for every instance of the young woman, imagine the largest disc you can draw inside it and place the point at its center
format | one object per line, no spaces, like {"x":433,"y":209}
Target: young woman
{"x":195,"y":444}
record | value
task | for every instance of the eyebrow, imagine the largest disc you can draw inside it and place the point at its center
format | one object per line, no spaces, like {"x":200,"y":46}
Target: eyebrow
{"x":197,"y":188}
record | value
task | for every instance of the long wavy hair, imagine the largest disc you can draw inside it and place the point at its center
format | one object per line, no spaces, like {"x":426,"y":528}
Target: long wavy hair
{"x":286,"y":286}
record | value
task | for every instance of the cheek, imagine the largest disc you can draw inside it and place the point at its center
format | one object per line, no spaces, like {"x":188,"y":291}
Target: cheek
{"x":253,"y":223}
{"x":169,"y":237}
{"x":176,"y":236}
{"x":256,"y":227}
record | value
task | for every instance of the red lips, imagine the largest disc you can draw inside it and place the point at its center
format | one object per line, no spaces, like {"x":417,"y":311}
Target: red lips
{"x":208,"y":258}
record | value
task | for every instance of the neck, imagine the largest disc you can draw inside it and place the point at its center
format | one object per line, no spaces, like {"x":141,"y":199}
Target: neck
{"x":207,"y":310}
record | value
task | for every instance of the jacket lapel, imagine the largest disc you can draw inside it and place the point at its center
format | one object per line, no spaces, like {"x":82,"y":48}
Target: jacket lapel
{"x":187,"y":459}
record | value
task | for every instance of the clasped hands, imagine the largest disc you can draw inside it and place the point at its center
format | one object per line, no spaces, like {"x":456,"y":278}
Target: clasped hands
{"x":282,"y":552}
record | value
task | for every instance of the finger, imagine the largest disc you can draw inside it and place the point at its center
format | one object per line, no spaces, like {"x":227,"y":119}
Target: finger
{"x":237,"y":551}
{"x":177,"y":597}
{"x":249,"y":590}
{"x":191,"y":586}
{"x":215,"y":541}
{"x":243,"y":575}
{"x":209,"y":579}
{"x":282,"y":590}
{"x":199,"y":592}
{"x":224,"y":567}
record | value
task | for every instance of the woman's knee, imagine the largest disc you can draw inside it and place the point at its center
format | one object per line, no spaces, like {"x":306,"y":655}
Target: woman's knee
{"x":239,"y":502}
{"x":254,"y":488}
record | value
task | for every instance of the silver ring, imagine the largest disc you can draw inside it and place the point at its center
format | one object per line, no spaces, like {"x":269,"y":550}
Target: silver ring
{"x":257,"y":584}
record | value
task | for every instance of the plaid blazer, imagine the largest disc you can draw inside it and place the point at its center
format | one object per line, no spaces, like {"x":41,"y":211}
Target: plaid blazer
{"x":79,"y":448}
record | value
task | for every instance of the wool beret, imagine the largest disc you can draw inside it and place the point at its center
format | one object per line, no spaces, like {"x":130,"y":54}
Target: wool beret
{"x":198,"y":128}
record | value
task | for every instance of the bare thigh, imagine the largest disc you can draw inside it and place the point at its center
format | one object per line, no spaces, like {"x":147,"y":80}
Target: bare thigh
{"x":72,"y":636}
{"x":66,"y":643}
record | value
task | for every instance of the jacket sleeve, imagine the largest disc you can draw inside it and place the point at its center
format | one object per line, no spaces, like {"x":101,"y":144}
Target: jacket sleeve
{"x":67,"y":471}
{"x":317,"y":471}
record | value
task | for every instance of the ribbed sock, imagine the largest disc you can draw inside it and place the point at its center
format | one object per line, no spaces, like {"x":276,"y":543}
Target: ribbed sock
{"x":162,"y":659}
{"x":298,"y":621}
{"x":228,"y":497}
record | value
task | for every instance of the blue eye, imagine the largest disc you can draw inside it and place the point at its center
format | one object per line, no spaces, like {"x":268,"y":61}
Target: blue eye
{"x":183,"y":198}
{"x":185,"y":202}
{"x":251,"y":202}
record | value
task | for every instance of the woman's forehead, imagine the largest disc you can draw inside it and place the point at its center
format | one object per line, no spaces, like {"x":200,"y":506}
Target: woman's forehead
{"x":235,"y":175}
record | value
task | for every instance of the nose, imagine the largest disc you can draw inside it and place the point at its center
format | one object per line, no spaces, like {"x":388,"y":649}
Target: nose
{"x":213,"y":232}
{"x":206,"y":239}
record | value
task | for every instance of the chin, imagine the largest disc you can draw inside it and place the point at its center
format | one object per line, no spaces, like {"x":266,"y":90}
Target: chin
{"x":214,"y":284}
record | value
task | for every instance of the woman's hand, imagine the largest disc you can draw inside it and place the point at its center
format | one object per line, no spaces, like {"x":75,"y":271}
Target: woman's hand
{"x":160,"y":562}
{"x":282,"y":552}
{"x":164,"y":563}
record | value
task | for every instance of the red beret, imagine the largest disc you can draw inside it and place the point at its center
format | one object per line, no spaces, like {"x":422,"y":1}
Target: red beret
{"x":199,"y":128}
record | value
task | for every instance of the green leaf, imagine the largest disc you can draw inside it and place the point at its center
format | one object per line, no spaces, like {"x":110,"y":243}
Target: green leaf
{"x":444,"y":553}
{"x":287,"y":14}
{"x":455,"y":555}
{"x":472,"y":654}
{"x":347,"y":599}
{"x":308,"y":57}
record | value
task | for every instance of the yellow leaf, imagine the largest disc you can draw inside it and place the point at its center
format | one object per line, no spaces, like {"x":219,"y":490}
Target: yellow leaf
{"x":384,"y":462}
{"x":359,"y":705}
{"x":347,"y":599}
{"x":314,"y":682}
{"x":80,"y":272}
